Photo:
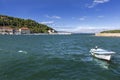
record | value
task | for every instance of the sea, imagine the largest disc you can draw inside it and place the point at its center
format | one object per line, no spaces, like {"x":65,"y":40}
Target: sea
{"x":57,"y":57}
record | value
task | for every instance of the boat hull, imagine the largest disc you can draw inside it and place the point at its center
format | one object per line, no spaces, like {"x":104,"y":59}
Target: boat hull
{"x":102,"y":54}
{"x":104,"y":57}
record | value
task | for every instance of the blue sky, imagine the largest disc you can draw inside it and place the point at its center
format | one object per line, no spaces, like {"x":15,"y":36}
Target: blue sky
{"x":67,"y":15}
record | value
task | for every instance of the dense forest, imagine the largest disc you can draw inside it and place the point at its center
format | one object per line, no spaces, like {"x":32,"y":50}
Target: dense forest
{"x":14,"y":22}
{"x":111,"y":31}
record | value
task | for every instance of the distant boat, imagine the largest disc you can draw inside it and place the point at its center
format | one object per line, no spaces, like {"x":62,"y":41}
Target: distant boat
{"x":101,"y":53}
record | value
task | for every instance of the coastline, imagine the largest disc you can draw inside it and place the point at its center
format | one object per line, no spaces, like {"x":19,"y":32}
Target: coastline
{"x":108,"y":34}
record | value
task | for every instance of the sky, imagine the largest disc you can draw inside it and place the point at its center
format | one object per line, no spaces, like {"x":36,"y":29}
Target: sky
{"x":67,"y":15}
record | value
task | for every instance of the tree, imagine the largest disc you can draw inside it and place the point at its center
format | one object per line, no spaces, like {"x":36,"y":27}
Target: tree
{"x":14,"y":22}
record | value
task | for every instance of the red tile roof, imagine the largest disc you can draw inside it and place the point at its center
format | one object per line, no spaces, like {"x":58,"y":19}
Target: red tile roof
{"x":24,"y":28}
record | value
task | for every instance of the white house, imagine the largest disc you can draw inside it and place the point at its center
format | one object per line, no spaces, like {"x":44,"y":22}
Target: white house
{"x":24,"y":30}
{"x":6,"y":30}
{"x":51,"y":31}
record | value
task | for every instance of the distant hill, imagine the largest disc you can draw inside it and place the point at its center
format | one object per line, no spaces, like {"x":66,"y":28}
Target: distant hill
{"x":111,"y":31}
{"x":14,"y":22}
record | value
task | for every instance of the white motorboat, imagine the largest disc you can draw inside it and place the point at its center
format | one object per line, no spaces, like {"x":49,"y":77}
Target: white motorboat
{"x":101,"y":53}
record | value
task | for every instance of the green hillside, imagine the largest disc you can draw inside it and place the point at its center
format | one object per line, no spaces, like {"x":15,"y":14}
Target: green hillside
{"x":14,"y":22}
{"x":111,"y":31}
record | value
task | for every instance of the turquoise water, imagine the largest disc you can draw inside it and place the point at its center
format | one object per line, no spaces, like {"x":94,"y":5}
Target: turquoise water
{"x":57,"y":57}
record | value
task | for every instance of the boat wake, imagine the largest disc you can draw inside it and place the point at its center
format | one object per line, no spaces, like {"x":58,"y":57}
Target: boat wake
{"x":101,"y":63}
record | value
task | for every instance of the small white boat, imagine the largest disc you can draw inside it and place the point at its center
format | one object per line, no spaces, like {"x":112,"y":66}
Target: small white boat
{"x":101,"y":53}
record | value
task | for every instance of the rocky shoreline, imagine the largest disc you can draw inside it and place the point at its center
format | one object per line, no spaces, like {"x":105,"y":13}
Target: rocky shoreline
{"x":108,"y":34}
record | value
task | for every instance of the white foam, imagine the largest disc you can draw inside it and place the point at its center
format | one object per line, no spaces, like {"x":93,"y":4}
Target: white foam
{"x":21,"y":51}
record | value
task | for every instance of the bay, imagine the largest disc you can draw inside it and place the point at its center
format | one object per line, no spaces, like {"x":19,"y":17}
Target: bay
{"x":57,"y":57}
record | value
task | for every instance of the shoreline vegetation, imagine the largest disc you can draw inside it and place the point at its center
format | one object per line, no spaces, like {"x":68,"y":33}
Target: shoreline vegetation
{"x":109,"y":33}
{"x":18,"y":26}
{"x":17,"y":23}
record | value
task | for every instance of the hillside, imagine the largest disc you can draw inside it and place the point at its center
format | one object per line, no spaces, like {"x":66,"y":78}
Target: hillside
{"x":14,"y":22}
{"x":111,"y":31}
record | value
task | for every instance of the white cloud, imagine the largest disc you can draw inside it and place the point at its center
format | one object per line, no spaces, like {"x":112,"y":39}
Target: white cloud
{"x":82,"y":18}
{"x":100,"y":1}
{"x":96,"y":2}
{"x":53,"y":17}
{"x":47,"y":22}
{"x":86,"y":29}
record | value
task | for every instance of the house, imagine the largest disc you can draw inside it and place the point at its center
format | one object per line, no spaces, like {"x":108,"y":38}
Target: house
{"x":51,"y":31}
{"x":24,"y":30}
{"x":6,"y":30}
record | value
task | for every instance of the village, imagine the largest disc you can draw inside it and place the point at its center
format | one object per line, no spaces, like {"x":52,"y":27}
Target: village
{"x":6,"y":30}
{"x":11,"y":31}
